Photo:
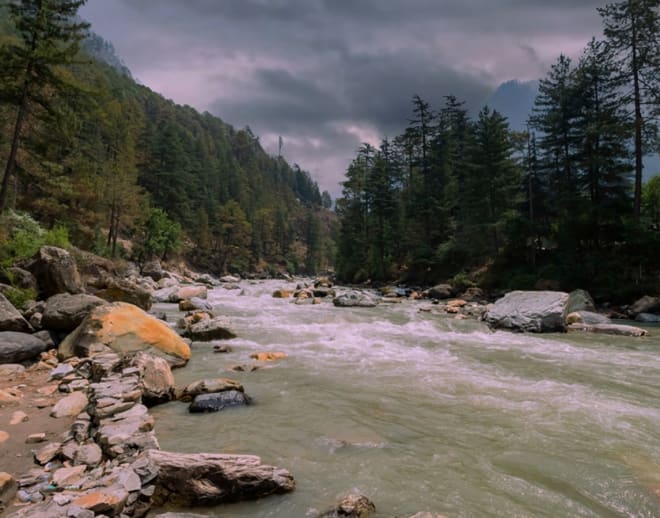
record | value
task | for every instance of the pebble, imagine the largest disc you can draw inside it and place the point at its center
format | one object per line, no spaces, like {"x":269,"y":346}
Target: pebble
{"x":18,"y":417}
{"x":35,"y":438}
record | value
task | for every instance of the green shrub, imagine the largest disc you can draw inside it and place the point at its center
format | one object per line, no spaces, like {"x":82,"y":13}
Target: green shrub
{"x":19,"y":297}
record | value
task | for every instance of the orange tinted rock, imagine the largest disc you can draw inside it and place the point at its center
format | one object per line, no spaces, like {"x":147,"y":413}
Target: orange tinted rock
{"x":268,"y":356}
{"x":282,"y":294}
{"x":108,"y":501}
{"x":125,"y":329}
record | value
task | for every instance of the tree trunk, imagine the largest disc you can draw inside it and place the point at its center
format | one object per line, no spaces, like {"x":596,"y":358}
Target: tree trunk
{"x":10,"y":169}
{"x":637,"y":200}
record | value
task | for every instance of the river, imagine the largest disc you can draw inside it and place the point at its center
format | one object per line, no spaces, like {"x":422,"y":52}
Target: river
{"x":421,"y":412}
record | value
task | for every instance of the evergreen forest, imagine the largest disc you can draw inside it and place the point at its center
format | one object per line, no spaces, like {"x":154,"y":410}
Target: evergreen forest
{"x":561,"y":205}
{"x":120,"y":170}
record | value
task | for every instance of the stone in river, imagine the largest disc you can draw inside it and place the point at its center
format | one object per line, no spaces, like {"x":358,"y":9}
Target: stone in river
{"x":217,"y":401}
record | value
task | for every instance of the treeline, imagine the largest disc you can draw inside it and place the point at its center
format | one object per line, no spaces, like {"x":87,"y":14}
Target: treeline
{"x":560,"y":205}
{"x":118,"y":165}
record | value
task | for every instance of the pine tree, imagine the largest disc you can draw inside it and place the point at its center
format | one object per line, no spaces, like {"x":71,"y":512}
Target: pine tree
{"x":631,"y":29}
{"x":50,"y":36}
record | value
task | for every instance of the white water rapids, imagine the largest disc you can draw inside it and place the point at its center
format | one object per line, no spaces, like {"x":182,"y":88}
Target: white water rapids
{"x":421,"y":412}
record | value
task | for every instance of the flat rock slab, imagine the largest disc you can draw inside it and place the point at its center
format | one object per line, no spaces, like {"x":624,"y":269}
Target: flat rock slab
{"x":609,"y":329}
{"x":209,"y":479}
{"x":209,"y":386}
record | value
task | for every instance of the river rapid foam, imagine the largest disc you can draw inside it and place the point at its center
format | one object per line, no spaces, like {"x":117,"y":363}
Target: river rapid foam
{"x":422,"y":412}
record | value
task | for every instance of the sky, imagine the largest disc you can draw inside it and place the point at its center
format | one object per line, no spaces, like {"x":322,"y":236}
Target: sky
{"x":327,"y":75}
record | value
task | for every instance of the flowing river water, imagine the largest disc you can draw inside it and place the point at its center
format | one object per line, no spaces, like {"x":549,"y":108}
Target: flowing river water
{"x":421,"y":412}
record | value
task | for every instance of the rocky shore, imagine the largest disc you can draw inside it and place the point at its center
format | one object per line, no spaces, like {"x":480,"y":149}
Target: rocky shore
{"x":92,"y":438}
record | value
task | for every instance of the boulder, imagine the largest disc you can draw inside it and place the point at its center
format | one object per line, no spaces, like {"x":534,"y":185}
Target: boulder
{"x":55,"y":271}
{"x":107,"y":501}
{"x":65,"y":312}
{"x":95,"y":271}
{"x":209,"y":386}
{"x":323,"y":282}
{"x":153,"y":269}
{"x":216,"y":401}
{"x":530,"y":311}
{"x":647,"y":318}
{"x":211,"y":329}
{"x":646,"y":304}
{"x":11,"y":319}
{"x":18,"y":278}
{"x":355,"y":299}
{"x":580,"y":300}
{"x":587,"y":317}
{"x":189,"y":292}
{"x":282,"y":293}
{"x":323,"y":292}
{"x":230,"y":279}
{"x":10,"y":370}
{"x":609,"y":329}
{"x":211,"y":479}
{"x":19,"y":347}
{"x":156,"y":380}
{"x":351,"y":506}
{"x":125,"y":329}
{"x":473,"y":294}
{"x":126,"y":291}
{"x":440,"y":291}
{"x":193,"y":304}
{"x":167,"y":294}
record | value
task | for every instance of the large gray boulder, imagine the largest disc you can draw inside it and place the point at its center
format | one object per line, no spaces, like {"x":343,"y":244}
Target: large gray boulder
{"x":10,"y":318}
{"x":55,"y":271}
{"x":18,"y":278}
{"x":213,"y":329}
{"x":153,"y":269}
{"x":580,"y":300}
{"x":19,"y":347}
{"x":355,"y":299}
{"x":65,"y":312}
{"x":530,"y":311}
{"x":209,"y":479}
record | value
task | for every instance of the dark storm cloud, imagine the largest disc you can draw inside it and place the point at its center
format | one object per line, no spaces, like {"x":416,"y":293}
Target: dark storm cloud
{"x":328,"y":74}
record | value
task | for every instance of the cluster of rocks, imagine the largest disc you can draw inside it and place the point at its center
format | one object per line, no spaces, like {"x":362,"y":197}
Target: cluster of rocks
{"x":110,"y":463}
{"x":553,"y":311}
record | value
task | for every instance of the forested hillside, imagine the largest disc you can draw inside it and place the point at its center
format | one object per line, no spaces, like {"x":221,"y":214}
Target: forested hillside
{"x":112,"y":161}
{"x":561,"y":205}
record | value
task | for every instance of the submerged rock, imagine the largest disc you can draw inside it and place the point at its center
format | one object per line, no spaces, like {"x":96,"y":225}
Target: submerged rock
{"x":647,"y":318}
{"x":351,"y":506}
{"x":646,"y":304}
{"x":217,"y":401}
{"x":609,"y":329}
